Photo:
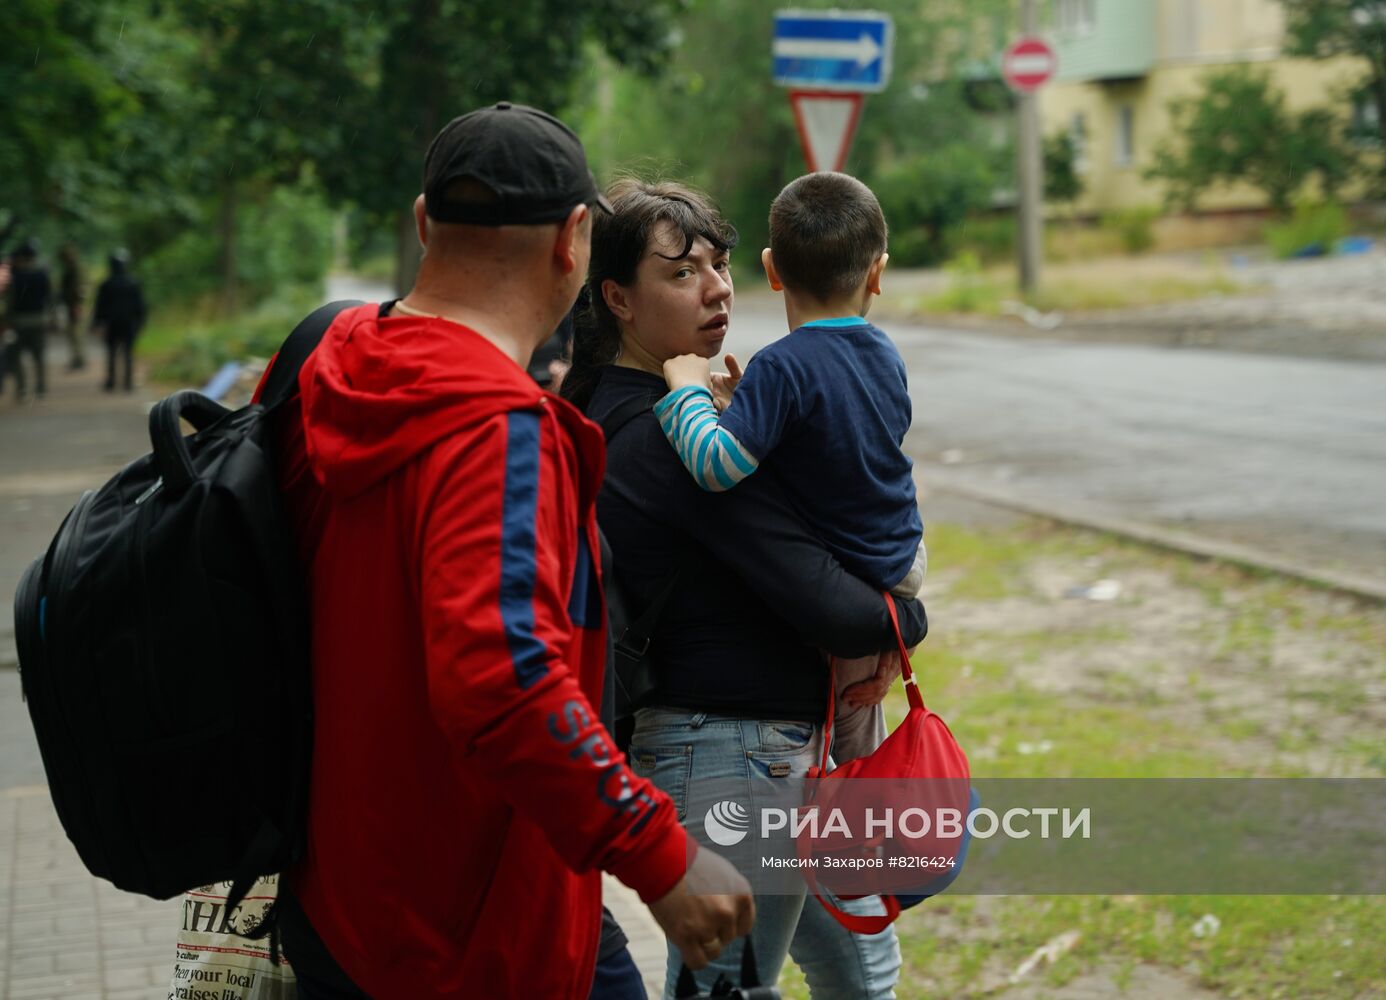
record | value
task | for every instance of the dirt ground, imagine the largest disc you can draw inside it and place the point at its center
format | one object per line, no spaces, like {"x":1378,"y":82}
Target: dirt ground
{"x":1275,"y":676}
{"x":1130,"y":661}
{"x":1326,"y":307}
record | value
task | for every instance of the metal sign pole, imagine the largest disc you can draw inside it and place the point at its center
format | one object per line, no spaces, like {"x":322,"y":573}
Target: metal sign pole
{"x":1030,"y":167}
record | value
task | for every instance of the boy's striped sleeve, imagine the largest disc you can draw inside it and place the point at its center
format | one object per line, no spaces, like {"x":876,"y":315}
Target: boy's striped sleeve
{"x":716,"y":459}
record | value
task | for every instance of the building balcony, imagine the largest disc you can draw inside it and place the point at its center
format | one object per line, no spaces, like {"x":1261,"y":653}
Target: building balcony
{"x":1103,"y":40}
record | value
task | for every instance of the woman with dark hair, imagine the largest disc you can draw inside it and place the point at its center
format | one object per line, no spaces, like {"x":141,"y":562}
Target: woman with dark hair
{"x":751,"y":597}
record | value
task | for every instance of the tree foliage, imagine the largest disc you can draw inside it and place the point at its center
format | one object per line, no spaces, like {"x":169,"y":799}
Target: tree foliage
{"x":715,"y":118}
{"x":1062,"y":181}
{"x":63,"y":101}
{"x":1238,"y":129}
{"x":160,"y":122}
{"x":928,"y":196}
{"x":1320,"y":29}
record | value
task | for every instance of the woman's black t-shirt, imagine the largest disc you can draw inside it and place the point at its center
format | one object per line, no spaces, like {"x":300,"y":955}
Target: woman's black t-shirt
{"x":758,"y":597}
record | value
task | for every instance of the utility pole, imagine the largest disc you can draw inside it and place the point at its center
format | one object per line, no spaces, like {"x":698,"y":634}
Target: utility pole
{"x":1029,"y":170}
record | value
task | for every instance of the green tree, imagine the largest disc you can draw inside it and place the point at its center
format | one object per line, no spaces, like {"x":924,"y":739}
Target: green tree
{"x":716,"y":119}
{"x":263,"y":81}
{"x":63,"y":101}
{"x":1062,"y":181}
{"x":1239,"y":129}
{"x":927,"y":196}
{"x":1321,"y":29}
{"x":428,"y":61}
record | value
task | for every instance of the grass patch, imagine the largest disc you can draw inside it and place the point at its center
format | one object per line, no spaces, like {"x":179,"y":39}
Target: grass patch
{"x":1259,"y":949}
{"x":187,"y":344}
{"x":1074,"y":288}
{"x":1264,"y":946}
{"x":1013,"y":731}
{"x":991,"y":565}
{"x":1313,"y":230}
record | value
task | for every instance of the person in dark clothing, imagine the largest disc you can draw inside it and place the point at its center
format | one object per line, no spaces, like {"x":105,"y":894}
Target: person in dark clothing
{"x":742,"y":683}
{"x":120,"y":315}
{"x":29,"y":307}
{"x":70,"y":297}
{"x":549,"y":363}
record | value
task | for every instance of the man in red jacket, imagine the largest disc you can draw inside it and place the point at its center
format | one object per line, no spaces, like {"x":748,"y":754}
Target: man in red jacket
{"x":464,"y":794}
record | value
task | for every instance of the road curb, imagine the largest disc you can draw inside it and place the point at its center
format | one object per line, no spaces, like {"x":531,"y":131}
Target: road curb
{"x":1183,"y":542}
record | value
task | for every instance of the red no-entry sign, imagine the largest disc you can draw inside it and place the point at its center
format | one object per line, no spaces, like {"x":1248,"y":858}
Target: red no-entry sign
{"x":1028,"y":64}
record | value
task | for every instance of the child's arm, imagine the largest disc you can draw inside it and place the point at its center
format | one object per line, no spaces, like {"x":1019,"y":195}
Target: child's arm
{"x":716,"y":459}
{"x":719,"y":453}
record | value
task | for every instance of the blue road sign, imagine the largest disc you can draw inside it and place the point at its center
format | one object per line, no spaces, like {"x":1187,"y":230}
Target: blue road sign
{"x":833,"y":50}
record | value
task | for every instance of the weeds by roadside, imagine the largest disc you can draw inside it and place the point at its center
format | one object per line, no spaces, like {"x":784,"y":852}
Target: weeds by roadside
{"x":1115,"y":284}
{"x":186,"y":345}
{"x":1194,"y":670}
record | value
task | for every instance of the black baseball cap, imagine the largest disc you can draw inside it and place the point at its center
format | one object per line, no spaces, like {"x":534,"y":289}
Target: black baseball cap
{"x":530,"y":166}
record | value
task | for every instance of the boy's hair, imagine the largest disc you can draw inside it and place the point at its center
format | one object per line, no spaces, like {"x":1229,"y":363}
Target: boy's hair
{"x":826,"y":230}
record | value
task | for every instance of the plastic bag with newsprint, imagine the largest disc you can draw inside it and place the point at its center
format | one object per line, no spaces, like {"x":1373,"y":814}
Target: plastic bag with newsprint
{"x":214,"y":962}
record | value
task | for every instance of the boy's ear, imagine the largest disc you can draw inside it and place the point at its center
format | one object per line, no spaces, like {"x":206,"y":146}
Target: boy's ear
{"x":767,"y":261}
{"x":616,"y":300}
{"x":873,"y":276}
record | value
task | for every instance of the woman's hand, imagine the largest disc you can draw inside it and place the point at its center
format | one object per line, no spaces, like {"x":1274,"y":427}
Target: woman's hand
{"x":724,"y":385}
{"x":686,"y":370}
{"x":873,"y":690}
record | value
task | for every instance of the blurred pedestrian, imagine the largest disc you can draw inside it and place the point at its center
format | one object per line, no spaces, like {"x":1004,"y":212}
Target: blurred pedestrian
{"x":29,"y":315}
{"x":7,"y":337}
{"x":70,"y":289}
{"x":119,"y":315}
{"x":549,"y":362}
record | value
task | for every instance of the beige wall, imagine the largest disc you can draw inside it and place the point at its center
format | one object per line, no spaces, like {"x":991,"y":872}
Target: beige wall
{"x":1218,"y":30}
{"x":1109,"y":185}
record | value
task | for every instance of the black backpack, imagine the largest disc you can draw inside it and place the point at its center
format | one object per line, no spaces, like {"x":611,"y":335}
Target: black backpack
{"x":631,"y":635}
{"x":163,"y":650}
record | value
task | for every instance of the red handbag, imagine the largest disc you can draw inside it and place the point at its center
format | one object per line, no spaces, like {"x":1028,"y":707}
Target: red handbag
{"x":898,"y":861}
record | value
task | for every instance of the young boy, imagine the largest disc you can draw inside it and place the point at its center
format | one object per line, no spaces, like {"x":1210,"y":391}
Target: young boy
{"x":827,"y":405}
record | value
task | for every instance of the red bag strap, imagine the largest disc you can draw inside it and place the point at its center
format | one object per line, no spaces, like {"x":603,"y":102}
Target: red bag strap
{"x":911,"y":683}
{"x":912,"y":691}
{"x":858,"y":923}
{"x":828,"y":722}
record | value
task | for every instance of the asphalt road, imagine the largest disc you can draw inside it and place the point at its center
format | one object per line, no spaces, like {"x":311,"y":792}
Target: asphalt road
{"x":1285,"y":455}
{"x":1278,"y":455}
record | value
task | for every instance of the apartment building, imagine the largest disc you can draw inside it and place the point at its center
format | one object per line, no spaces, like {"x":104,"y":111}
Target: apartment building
{"x":1122,"y":61}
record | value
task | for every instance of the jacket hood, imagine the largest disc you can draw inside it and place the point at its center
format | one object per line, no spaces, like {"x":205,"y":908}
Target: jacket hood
{"x":378,"y":392}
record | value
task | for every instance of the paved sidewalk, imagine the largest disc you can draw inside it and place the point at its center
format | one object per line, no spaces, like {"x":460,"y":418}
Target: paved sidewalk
{"x":63,"y":933}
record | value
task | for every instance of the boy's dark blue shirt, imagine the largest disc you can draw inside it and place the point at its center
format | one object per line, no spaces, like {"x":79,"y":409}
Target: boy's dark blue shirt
{"x":827,"y":408}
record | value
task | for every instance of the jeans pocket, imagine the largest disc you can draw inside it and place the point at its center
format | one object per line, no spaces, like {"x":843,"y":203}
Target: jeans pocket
{"x":783,"y":737}
{"x":669,"y":768}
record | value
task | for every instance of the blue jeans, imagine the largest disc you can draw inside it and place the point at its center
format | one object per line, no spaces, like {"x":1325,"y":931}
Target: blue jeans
{"x":698,"y":758}
{"x":618,"y":978}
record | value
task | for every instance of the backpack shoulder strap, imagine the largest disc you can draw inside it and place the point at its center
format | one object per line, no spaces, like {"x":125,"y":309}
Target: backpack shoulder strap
{"x":282,"y":383}
{"x":623,"y":413}
{"x":635,"y":641}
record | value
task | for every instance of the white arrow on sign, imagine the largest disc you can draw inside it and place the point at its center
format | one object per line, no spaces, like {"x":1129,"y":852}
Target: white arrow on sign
{"x":864,"y":51}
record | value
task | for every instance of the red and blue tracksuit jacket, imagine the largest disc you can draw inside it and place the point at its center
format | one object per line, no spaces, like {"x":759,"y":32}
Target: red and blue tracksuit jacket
{"x":464,"y":794}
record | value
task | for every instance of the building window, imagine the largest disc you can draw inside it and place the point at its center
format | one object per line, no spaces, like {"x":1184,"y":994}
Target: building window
{"x":1078,"y":136}
{"x":1125,"y":136}
{"x":1077,"y":17}
{"x":1365,"y":128}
